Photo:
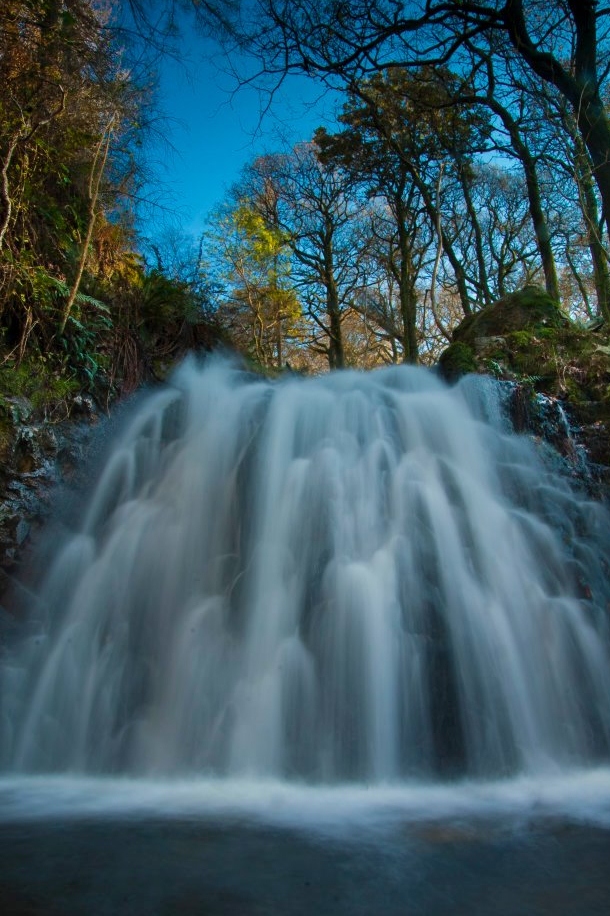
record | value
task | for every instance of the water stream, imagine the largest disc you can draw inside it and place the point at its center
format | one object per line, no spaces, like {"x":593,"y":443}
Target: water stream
{"x":336,"y":646}
{"x":360,"y":578}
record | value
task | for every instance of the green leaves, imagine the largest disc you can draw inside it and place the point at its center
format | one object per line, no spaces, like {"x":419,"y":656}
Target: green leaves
{"x":263,"y":241}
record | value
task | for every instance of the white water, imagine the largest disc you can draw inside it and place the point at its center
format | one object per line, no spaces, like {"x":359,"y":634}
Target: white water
{"x":362,"y":577}
{"x":350,"y":812}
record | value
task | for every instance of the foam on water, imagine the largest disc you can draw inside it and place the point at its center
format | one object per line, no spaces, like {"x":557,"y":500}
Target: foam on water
{"x":346,"y":811}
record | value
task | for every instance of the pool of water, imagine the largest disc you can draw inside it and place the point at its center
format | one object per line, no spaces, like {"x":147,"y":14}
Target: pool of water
{"x":521,"y":848}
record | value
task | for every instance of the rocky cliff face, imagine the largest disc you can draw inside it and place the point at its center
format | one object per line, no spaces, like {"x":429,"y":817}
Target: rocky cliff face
{"x":37,"y":451}
{"x":559,"y":371}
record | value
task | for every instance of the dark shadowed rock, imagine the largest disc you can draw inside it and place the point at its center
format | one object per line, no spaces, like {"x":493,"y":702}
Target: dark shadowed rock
{"x":35,"y":454}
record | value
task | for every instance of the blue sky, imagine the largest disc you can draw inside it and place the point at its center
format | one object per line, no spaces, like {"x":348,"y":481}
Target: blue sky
{"x":215,"y":132}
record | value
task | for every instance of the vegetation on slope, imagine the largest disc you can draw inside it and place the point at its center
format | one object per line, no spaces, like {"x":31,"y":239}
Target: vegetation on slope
{"x":79,"y":307}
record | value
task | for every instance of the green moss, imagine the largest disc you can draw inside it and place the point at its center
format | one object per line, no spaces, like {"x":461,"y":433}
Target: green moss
{"x":458,"y":359}
{"x":528,"y":310}
{"x":36,"y":381}
{"x":548,"y":333}
{"x":526,"y":337}
{"x":7,"y":436}
{"x":521,"y":338}
{"x":574,"y":390}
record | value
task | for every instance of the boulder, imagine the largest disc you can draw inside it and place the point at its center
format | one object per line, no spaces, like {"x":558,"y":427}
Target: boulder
{"x":527,"y":339}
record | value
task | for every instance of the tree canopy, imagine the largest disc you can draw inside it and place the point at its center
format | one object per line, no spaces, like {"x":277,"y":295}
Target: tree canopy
{"x":564,"y":43}
{"x":470,"y":157}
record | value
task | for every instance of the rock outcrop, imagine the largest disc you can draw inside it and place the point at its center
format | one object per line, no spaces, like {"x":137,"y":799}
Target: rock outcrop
{"x":559,"y":370}
{"x":36,"y":452}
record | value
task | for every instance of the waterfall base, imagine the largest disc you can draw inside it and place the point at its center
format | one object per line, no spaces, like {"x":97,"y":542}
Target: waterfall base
{"x":125,"y":847}
{"x":346,"y":812}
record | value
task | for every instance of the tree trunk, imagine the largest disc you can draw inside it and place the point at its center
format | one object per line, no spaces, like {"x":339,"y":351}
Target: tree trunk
{"x":595,"y":131}
{"x":476,"y":228}
{"x":589,"y":207}
{"x":579,"y":86}
{"x":5,"y":195}
{"x":534,"y":197}
{"x":279,"y":341}
{"x":336,"y":354}
{"x":97,"y":170}
{"x":433,"y":210}
{"x":405,"y":291}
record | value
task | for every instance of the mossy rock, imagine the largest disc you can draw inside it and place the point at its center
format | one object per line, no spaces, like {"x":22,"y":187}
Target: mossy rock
{"x":524,"y":310}
{"x":457,"y":360}
{"x":526,"y":338}
{"x":516,"y":336}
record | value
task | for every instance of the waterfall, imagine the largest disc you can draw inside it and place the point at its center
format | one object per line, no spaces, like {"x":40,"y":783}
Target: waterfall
{"x":359,"y":577}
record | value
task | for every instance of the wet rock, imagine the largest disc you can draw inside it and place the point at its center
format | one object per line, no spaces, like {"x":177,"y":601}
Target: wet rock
{"x":83,"y":406}
{"x":34,"y":447}
{"x":20,"y":409}
{"x":35,"y":455}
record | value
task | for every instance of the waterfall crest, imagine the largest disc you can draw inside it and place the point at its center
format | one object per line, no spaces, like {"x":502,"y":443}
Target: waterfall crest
{"x":355,"y":577}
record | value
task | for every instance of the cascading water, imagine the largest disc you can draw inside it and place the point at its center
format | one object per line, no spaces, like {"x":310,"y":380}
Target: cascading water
{"x":357,"y":577}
